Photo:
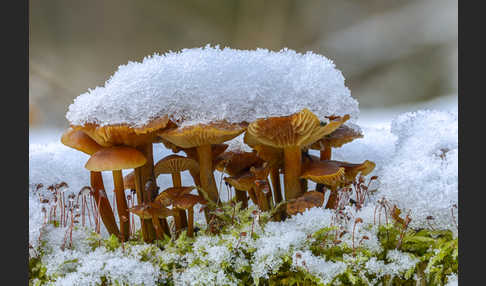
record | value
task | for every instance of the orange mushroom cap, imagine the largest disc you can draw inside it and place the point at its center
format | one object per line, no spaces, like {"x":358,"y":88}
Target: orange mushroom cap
{"x":344,"y":134}
{"x":122,"y":134}
{"x":115,"y":158}
{"x":146,"y":210}
{"x":299,"y":129}
{"x":304,"y":202}
{"x":169,"y":194}
{"x":234,"y":162}
{"x":324,"y":172}
{"x":203,"y":134}
{"x":187,"y":201}
{"x":78,"y":140}
{"x":174,"y":164}
{"x":129,"y":181}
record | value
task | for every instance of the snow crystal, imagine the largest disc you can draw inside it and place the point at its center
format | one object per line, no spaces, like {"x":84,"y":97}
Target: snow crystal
{"x":452,"y":280}
{"x":377,"y":145}
{"x":325,"y":270}
{"x":422,"y":175}
{"x":399,"y":263}
{"x":209,"y":83}
{"x":279,"y":238}
{"x":89,"y":268}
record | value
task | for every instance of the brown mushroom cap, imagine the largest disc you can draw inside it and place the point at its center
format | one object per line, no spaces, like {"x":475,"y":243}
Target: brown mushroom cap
{"x":129,"y":181}
{"x":115,"y":158}
{"x":203,"y":134}
{"x":78,"y":140}
{"x":187,"y":201}
{"x":234,"y":162}
{"x":304,"y":202}
{"x":344,"y":134}
{"x":174,"y":164}
{"x":122,"y":134}
{"x":299,"y":129}
{"x":242,"y":182}
{"x":352,"y":170}
{"x":145,"y":211}
{"x":173,"y":193}
{"x":326,"y":172}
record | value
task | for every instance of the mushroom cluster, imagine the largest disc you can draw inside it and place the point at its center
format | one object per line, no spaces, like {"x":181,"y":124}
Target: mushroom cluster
{"x":281,"y":104}
{"x":279,"y":146}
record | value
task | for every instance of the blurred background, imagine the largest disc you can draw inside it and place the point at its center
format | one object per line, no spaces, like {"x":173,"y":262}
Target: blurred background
{"x":395,"y":54}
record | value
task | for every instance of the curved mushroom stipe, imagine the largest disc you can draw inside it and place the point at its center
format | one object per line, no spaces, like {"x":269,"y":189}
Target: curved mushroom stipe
{"x":78,"y":140}
{"x":115,"y":159}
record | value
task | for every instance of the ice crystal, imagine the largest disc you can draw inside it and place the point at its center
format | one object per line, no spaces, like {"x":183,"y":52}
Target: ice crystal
{"x":205,"y":84}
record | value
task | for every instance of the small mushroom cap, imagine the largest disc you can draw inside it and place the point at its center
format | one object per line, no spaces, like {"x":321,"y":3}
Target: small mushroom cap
{"x":326,"y":172}
{"x":299,"y":129}
{"x":352,"y":170}
{"x":141,"y":211}
{"x":129,"y":181}
{"x":242,"y":182}
{"x":146,"y":211}
{"x":234,"y":162}
{"x":187,"y":201}
{"x":304,"y":202}
{"x":78,"y":140}
{"x":122,"y":134}
{"x":344,"y":134}
{"x":203,"y":134}
{"x":169,"y":194}
{"x":174,"y":164}
{"x":115,"y":158}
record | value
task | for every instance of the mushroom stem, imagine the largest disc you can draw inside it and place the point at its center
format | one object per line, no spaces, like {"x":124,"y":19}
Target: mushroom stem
{"x":146,"y":172}
{"x":241,"y":197}
{"x":190,"y":225}
{"x":262,"y":200}
{"x":158,"y":227}
{"x":331,"y":202}
{"x":178,"y":222}
{"x":208,"y":183}
{"x":140,"y":200}
{"x":277,"y":191}
{"x":326,"y":153}
{"x":176,"y":180}
{"x":106,"y":213}
{"x":197,"y":181}
{"x":253,"y":196}
{"x":292,"y":168}
{"x":121,"y":204}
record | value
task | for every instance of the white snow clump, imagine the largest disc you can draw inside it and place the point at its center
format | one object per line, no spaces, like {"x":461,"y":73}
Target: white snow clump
{"x":200,"y":85}
{"x":422,"y":176}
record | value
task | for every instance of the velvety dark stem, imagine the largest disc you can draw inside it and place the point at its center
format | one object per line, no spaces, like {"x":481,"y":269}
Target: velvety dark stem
{"x":176,"y":180}
{"x":242,"y":197}
{"x":104,"y":209}
{"x":121,"y":205}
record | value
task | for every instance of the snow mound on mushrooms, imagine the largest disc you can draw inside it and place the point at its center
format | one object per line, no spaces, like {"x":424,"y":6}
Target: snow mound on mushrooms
{"x":422,"y":175}
{"x":205,"y":84}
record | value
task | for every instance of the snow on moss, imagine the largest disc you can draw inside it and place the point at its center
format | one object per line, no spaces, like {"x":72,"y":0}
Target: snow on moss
{"x":319,"y":267}
{"x":281,"y":238}
{"x":398,"y":264}
{"x":209,"y":83}
{"x":422,"y":175}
